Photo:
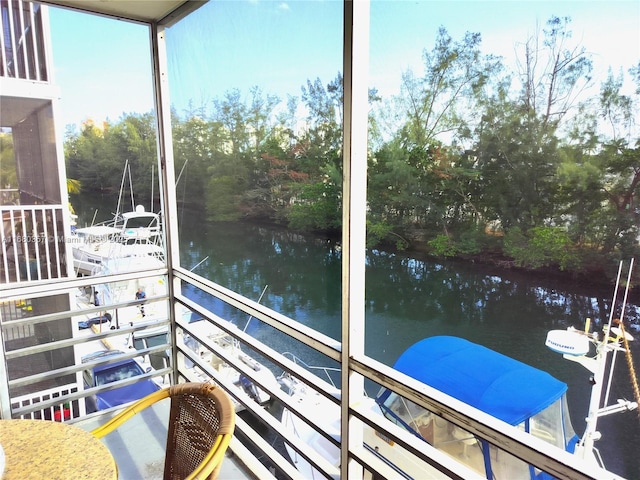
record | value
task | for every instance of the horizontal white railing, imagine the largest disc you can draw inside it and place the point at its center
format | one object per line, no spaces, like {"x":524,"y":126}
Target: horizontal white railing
{"x":505,"y":437}
{"x":57,"y":406}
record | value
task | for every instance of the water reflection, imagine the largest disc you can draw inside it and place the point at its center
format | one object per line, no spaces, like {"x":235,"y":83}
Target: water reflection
{"x":409,"y":298}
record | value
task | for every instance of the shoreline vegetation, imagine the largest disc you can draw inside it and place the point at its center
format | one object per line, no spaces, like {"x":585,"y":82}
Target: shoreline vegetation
{"x":596,"y":277}
{"x":593,"y":280}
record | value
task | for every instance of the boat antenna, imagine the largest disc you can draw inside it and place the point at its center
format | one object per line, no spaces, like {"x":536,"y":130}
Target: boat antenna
{"x":152,"y":175}
{"x":181,"y":170}
{"x":133,"y":203}
{"x":251,"y":316}
{"x":608,"y":332}
{"x":199,"y":263}
{"x":184,"y":187}
{"x":124,"y":173}
{"x":615,"y":295}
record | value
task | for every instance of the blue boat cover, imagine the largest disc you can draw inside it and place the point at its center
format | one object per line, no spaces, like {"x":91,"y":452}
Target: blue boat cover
{"x":487,"y":380}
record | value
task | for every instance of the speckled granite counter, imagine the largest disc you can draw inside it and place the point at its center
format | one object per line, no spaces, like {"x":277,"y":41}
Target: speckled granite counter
{"x":41,"y":449}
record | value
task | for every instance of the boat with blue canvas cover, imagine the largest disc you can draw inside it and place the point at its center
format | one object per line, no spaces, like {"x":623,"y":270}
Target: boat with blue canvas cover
{"x":503,"y":387}
{"x":487,"y":380}
{"x":523,"y":396}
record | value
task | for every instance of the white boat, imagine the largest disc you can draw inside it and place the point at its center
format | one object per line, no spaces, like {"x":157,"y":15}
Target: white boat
{"x":131,"y":234}
{"x":523,"y":396}
{"x":231,"y":346}
{"x":106,"y":295}
{"x":117,"y":292}
{"x":109,"y":294}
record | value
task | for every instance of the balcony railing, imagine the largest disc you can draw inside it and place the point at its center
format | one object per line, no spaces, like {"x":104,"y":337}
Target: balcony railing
{"x":63,"y":410}
{"x":22,"y":394}
{"x":22,"y":45}
{"x":33,"y":243}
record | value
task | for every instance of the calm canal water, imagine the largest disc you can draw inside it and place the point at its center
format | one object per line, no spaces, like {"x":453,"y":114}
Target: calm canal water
{"x":408,"y":299}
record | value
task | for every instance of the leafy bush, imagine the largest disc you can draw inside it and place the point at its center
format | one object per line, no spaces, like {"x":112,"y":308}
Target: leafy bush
{"x":316,"y":208}
{"x":541,"y":247}
{"x":377,"y":232}
{"x":223,"y":198}
{"x":471,"y":241}
{"x":443,"y":246}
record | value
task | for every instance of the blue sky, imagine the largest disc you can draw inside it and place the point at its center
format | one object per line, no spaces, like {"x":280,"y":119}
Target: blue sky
{"x":278,"y":45}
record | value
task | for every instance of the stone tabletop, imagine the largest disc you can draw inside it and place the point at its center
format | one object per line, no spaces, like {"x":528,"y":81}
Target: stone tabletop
{"x":39,"y":449}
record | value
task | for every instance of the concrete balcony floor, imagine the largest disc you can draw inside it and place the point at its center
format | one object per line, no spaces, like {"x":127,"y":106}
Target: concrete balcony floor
{"x":138,"y":446}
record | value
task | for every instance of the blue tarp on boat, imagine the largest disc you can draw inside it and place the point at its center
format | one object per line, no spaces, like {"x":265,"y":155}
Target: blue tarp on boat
{"x":487,"y":380}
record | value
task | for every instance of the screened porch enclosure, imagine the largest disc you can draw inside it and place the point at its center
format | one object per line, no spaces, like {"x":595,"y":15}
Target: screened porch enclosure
{"x":46,"y":353}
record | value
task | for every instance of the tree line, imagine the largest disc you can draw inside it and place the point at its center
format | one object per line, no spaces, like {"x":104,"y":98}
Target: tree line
{"x":471,"y":158}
